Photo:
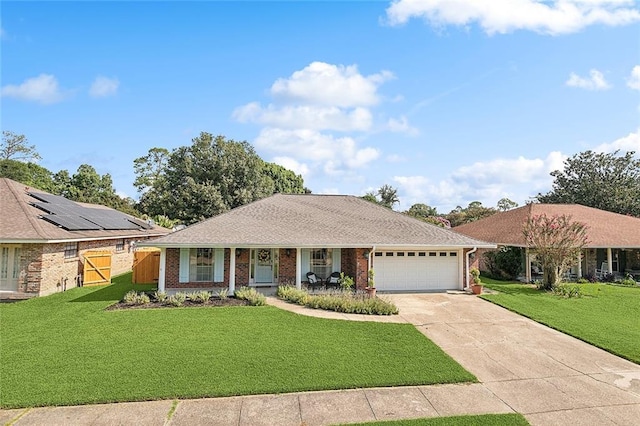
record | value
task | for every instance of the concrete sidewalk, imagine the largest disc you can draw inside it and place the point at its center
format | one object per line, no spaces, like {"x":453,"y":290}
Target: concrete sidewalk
{"x":551,"y":378}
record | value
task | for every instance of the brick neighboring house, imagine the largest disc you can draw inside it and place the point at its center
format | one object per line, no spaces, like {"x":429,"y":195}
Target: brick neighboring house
{"x":39,"y":257}
{"x":614,"y":239}
{"x":277,"y":240}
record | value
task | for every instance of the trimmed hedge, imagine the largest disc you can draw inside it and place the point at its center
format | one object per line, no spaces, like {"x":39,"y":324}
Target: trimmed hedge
{"x":338,"y":301}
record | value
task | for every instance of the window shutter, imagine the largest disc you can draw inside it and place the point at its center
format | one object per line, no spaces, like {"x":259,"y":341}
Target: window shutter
{"x":336,"y":259}
{"x":305,"y":264}
{"x":184,"y":265}
{"x":218,"y":266}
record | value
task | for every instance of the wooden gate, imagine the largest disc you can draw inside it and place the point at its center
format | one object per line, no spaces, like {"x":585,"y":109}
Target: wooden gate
{"x":146,"y":266}
{"x":97,"y":268}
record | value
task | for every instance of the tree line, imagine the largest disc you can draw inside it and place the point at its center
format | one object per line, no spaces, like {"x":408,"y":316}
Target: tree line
{"x":215,"y":174}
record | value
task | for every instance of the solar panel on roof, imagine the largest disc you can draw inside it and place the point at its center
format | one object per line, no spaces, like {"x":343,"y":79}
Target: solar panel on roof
{"x":140,"y":223}
{"x":71,"y":223}
{"x":111,"y":222}
{"x":60,"y":209}
{"x":49,"y":198}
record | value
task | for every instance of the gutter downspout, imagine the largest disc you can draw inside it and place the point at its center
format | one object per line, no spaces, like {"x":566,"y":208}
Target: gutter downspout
{"x":369,"y":260}
{"x":466,"y":280}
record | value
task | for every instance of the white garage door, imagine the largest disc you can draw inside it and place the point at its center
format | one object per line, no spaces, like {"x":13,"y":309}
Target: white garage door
{"x":417,"y":270}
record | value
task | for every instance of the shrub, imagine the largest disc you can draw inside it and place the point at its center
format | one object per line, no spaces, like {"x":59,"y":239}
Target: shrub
{"x":568,"y":291}
{"x":251,"y":295}
{"x":338,"y":300}
{"x":160,"y":296}
{"x":130,"y":297}
{"x":223,"y":293}
{"x":346,"y":282}
{"x":582,"y":280}
{"x":177,"y":299}
{"x":504,"y":263}
{"x":201,"y":296}
{"x":628,"y":281}
{"x":134,"y":298}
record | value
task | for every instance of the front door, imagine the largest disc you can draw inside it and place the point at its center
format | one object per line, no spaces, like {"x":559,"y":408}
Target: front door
{"x":264,"y":266}
{"x":9,"y":268}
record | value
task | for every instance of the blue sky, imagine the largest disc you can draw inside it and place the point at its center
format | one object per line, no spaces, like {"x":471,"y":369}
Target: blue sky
{"x":449,"y":101}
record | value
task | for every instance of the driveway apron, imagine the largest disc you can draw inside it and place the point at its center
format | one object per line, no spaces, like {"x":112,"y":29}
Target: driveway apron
{"x":548,"y":376}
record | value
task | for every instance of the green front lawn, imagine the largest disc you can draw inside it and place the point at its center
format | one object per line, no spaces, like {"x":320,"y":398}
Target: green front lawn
{"x":606,"y":316}
{"x":66,"y":349}
{"x":477,"y":420}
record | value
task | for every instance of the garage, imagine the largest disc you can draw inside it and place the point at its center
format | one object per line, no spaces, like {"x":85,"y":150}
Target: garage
{"x":412,"y":270}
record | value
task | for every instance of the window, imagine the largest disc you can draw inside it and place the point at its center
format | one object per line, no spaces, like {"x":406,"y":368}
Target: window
{"x":201,"y":264}
{"x":120,"y":246}
{"x":378,"y":254}
{"x":432,"y":253}
{"x":70,"y":250}
{"x":443,"y":253}
{"x":422,"y":254}
{"x":321,"y":262}
{"x":411,"y":254}
{"x":400,"y":253}
{"x":389,"y":253}
{"x":453,"y":254}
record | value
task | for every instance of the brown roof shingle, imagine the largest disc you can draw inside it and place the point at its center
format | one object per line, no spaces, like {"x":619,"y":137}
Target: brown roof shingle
{"x":20,"y":221}
{"x":311,"y":220}
{"x":606,"y":229}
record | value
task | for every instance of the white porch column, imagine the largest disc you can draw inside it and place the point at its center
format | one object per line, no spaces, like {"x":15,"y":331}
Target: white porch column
{"x":232,"y":271}
{"x":163,"y":263}
{"x":609,"y":261}
{"x":527,"y":261}
{"x":298,"y":268}
{"x":580,"y":265}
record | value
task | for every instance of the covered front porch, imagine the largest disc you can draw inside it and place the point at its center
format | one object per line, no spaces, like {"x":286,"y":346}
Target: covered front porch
{"x":595,"y":263}
{"x":216,"y":268}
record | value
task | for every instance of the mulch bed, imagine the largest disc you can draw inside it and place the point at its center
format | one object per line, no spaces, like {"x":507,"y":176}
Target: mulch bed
{"x":213,"y":302}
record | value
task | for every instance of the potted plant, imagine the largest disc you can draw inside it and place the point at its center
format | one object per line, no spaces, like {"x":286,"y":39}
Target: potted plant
{"x":476,"y":283}
{"x":371,"y":285}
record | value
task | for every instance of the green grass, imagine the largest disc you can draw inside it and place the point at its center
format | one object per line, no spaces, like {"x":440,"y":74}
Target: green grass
{"x":66,"y":349}
{"x":606,"y":316}
{"x":478,"y":420}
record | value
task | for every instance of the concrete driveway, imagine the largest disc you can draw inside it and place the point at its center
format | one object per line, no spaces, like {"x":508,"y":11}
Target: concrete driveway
{"x":551,"y":378}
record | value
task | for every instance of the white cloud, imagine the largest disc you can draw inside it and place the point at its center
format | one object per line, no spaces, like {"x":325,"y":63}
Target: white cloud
{"x":487,"y":181}
{"x":634,"y":79}
{"x":306,"y":116}
{"x":401,"y":125}
{"x":313,"y":146}
{"x":43,"y":89}
{"x":320,"y":83}
{"x":631,"y":142}
{"x":293,"y":165}
{"x":395,"y":158}
{"x":103,"y":87}
{"x":552,"y":17}
{"x":595,"y":81}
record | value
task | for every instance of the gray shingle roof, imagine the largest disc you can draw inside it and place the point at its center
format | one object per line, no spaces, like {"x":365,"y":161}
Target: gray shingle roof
{"x":314,"y":221}
{"x":20,"y":221}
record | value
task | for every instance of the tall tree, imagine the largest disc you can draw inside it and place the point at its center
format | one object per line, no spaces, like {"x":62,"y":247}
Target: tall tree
{"x":505,"y":204}
{"x":422,"y":211}
{"x":30,"y":174}
{"x":474,"y":211}
{"x":605,"y":181}
{"x":211,"y":176}
{"x":557,"y":242}
{"x":16,"y":147}
{"x":388,"y":196}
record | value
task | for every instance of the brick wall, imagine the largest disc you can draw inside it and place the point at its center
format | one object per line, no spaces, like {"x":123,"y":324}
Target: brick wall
{"x":172,"y":273}
{"x":287,"y":273}
{"x":473,"y":263}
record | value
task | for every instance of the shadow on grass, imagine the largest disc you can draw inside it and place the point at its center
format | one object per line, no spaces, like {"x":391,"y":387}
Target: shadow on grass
{"x":119,"y":286}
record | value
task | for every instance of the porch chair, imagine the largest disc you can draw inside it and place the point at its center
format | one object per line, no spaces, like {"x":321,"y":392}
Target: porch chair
{"x":314,"y":280}
{"x":333,"y":280}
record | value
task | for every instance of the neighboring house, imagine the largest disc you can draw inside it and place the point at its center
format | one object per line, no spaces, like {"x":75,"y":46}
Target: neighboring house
{"x":44,"y":238}
{"x":279,"y":239}
{"x":614,"y":239}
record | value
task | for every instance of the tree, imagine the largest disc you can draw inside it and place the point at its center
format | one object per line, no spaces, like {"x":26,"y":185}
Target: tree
{"x":388,"y":196}
{"x":505,"y":204}
{"x":284,"y":180}
{"x":605,"y":181}
{"x":29,"y":174}
{"x":209,"y":177}
{"x":474,"y":211}
{"x":16,"y":147}
{"x":421,"y":211}
{"x":557,"y":242}
{"x":504,"y":263}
